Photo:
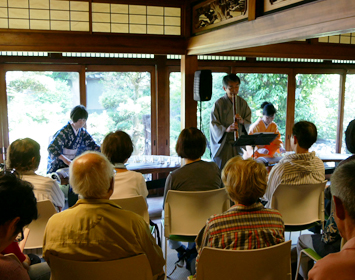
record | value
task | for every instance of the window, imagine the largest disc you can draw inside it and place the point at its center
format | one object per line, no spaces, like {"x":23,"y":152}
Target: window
{"x":255,"y":89}
{"x":175,"y":109}
{"x":349,"y":108}
{"x":317,"y":102}
{"x":39,"y":104}
{"x":120,"y":101}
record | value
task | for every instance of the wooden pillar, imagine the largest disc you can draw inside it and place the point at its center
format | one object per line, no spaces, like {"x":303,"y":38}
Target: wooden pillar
{"x":341,"y":102}
{"x":82,"y":85}
{"x":188,"y":104}
{"x":290,"y":113}
{"x":163,"y":112}
{"x":255,"y":9}
{"x":4,"y":126}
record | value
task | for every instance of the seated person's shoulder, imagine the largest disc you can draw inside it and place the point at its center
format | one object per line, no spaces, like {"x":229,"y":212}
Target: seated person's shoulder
{"x":333,"y":266}
{"x":11,"y":269}
{"x":40,"y":180}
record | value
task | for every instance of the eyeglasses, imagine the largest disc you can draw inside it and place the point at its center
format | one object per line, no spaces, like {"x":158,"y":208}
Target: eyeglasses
{"x":20,"y":238}
{"x":9,"y":172}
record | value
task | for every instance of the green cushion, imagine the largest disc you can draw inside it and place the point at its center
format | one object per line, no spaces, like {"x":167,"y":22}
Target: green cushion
{"x":312,"y":254}
{"x":182,"y":238}
{"x":152,"y":229}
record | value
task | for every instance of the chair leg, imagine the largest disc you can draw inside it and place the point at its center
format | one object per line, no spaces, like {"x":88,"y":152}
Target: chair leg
{"x":166,"y":258}
{"x":298,"y":265}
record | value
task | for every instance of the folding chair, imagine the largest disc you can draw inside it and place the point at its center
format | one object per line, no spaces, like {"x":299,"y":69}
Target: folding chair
{"x":272,"y":262}
{"x":45,"y":210}
{"x":138,"y":205}
{"x":301,"y":206}
{"x":186,"y":213}
{"x":136,"y":267}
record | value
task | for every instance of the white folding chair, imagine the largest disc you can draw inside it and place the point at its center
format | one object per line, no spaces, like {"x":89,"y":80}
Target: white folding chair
{"x":136,"y":267}
{"x":263,"y":264}
{"x":185,"y":213}
{"x":45,"y":210}
{"x":301,"y":206}
{"x":136,"y":204}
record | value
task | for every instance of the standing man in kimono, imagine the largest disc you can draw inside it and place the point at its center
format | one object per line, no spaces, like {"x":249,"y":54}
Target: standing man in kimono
{"x":70,"y":141}
{"x":222,"y":125}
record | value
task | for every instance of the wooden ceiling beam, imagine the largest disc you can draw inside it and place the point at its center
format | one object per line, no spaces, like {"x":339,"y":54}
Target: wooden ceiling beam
{"x":79,"y":42}
{"x":315,"y":19}
{"x":326,"y":51}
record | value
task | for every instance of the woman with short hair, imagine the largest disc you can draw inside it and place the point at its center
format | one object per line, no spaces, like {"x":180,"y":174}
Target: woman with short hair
{"x":246,"y":225}
{"x":70,"y":141}
{"x":118,"y":148}
{"x":24,"y":156}
{"x":195,"y":175}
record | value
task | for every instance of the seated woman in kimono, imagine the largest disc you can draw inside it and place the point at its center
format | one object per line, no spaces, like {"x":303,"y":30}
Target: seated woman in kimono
{"x":118,"y":147}
{"x":266,"y":124}
{"x":70,"y":141}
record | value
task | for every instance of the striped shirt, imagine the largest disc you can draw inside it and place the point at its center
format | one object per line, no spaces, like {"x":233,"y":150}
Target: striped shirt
{"x":295,"y":169}
{"x":242,"y":228}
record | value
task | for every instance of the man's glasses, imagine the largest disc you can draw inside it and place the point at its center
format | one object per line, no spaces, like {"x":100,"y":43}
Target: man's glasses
{"x":20,"y":237}
{"x":9,"y":172}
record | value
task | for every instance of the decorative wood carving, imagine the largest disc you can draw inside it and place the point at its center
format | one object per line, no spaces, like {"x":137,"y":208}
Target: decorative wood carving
{"x":270,"y":5}
{"x":211,"y":14}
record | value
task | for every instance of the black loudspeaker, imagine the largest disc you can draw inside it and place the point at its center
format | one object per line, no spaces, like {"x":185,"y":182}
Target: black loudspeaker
{"x":203,"y":85}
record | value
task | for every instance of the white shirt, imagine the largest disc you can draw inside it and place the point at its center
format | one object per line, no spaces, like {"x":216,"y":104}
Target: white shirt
{"x":128,"y":184}
{"x":46,"y":188}
{"x":295,"y":169}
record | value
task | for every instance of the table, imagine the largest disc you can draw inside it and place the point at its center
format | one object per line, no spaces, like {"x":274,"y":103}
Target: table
{"x":334,"y":157}
{"x":270,"y":161}
{"x":144,"y":164}
{"x":153,"y":164}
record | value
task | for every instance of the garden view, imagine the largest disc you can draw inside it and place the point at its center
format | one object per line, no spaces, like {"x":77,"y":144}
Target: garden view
{"x":39,"y":104}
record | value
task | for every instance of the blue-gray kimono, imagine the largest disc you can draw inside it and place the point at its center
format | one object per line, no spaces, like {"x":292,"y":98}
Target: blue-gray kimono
{"x":66,"y":143}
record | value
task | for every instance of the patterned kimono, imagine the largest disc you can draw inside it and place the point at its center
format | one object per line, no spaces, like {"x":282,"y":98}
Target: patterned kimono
{"x":66,"y":143}
{"x":259,"y":126}
{"x":221,"y":118}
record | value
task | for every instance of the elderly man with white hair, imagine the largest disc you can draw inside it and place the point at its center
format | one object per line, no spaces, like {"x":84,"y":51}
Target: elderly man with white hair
{"x":341,"y":265}
{"x":96,"y":229}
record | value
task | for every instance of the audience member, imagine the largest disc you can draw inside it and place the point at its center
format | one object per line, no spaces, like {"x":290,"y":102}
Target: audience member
{"x":301,"y":167}
{"x":329,"y":241}
{"x":96,"y":229}
{"x":118,"y":148}
{"x":18,"y":209}
{"x":341,"y":265}
{"x":247,"y":224}
{"x":24,"y":156}
{"x":195,"y":175}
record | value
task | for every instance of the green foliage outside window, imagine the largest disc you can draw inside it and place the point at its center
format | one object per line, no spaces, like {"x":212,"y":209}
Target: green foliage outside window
{"x":316,"y":101}
{"x":38,"y":105}
{"x":125,"y":104}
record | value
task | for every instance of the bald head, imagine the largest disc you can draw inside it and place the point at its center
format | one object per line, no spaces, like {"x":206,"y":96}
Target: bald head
{"x":91,"y":175}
